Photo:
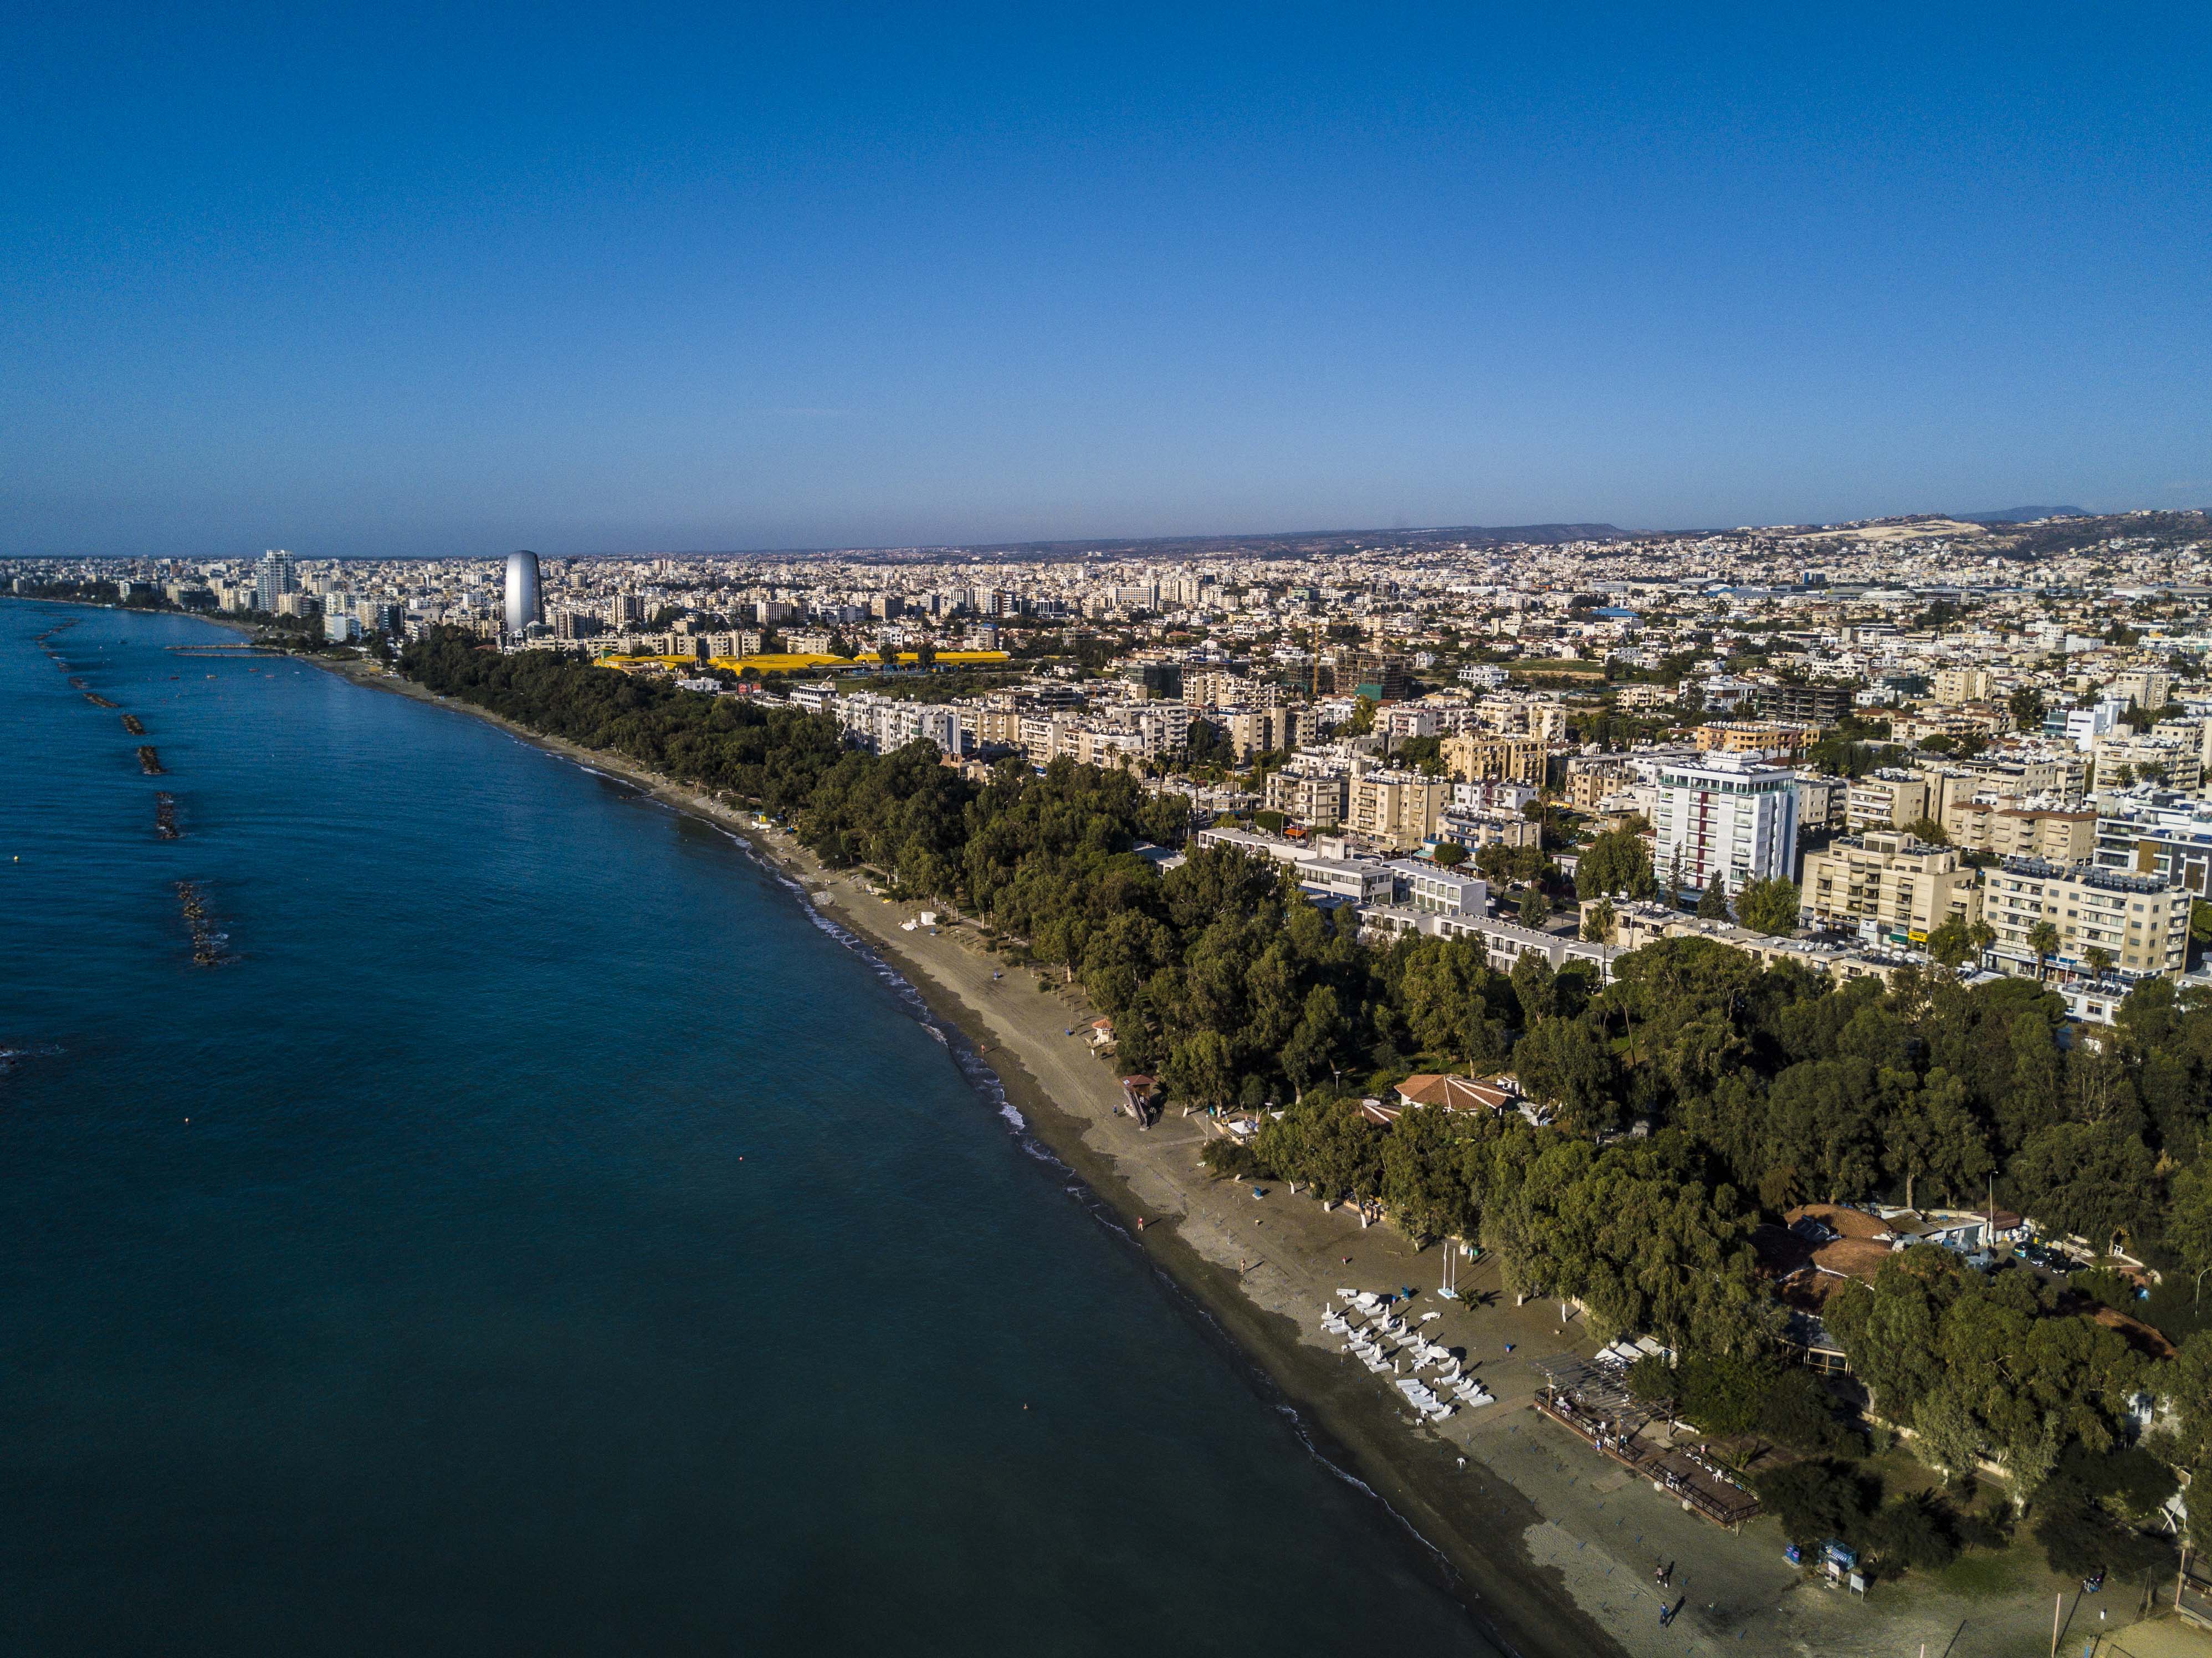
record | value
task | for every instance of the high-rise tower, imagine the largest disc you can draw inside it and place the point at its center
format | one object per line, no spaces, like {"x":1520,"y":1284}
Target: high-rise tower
{"x":273,"y":578}
{"x":525,"y":604}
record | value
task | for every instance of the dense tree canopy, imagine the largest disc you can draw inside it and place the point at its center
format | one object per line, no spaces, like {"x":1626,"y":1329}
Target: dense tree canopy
{"x":1667,"y":1111}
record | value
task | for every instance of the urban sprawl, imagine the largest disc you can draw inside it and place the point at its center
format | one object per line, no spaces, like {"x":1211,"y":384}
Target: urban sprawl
{"x":1745,"y":916}
{"x":1991,"y":741}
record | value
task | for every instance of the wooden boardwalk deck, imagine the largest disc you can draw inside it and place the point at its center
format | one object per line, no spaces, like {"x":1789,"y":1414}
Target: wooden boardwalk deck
{"x":1594,"y":1406}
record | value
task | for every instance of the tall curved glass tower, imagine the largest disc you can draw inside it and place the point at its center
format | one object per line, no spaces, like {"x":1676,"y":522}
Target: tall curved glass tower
{"x":525,"y":604}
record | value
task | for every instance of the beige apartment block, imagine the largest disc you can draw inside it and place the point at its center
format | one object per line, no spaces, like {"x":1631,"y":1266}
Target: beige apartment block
{"x":1473,"y":759}
{"x":1476,"y":829}
{"x":1886,"y":800}
{"x":1983,"y":719}
{"x":1262,"y":730}
{"x":2122,"y":757}
{"x":1316,"y":801}
{"x":1905,"y":888}
{"x":1591,"y":778}
{"x":1401,"y":808}
{"x":2147,"y":688}
{"x":1525,"y":716}
{"x":1107,"y":750}
{"x":1755,"y":736}
{"x":995,"y":727}
{"x":1046,"y":737}
{"x":2141,"y":922}
{"x":1956,"y":685}
{"x":2054,"y":771}
{"x":2060,"y":837}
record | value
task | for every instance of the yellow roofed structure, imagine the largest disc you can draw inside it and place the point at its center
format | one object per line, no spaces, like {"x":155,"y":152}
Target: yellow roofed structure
{"x":799,"y":662}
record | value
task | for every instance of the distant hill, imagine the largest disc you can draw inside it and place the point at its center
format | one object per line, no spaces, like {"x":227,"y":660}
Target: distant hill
{"x":1314,"y":540}
{"x":2022,"y":514}
{"x":1300,"y":543}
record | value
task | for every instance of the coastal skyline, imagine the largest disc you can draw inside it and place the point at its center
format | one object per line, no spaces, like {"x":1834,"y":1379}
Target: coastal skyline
{"x":377,"y":286}
{"x":1558,"y":1007}
{"x":851,"y":828}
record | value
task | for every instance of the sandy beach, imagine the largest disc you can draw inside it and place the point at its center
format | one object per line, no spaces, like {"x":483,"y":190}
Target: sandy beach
{"x":1551,"y":1545}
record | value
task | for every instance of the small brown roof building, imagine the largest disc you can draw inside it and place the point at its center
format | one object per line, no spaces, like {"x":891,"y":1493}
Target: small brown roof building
{"x":1500,"y":1093}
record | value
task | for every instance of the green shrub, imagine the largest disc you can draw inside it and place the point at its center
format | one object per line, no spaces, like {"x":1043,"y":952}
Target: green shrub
{"x":1651,"y":1379}
{"x":1724,"y":1396}
{"x":1230,"y":1160}
{"x":1797,"y":1411}
{"x":2079,"y":1539}
{"x":1912,"y":1533}
{"x":1817,"y":1500}
{"x":2083,"y":1509}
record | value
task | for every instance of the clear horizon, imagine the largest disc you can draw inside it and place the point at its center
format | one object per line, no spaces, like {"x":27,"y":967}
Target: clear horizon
{"x":381,"y":284}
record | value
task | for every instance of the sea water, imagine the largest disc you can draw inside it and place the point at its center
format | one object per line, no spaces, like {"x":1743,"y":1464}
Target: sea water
{"x":537,"y":1235}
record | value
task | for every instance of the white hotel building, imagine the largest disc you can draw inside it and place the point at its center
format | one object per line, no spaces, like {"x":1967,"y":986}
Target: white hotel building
{"x":1726,"y":814}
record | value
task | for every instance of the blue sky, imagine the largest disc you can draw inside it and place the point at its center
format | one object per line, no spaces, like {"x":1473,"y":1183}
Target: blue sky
{"x":408,"y":279}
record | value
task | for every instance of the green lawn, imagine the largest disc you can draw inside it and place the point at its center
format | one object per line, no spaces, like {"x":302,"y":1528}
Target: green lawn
{"x":1982,"y":1575}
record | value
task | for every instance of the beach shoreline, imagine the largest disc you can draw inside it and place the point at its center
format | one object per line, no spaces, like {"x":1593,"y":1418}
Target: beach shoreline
{"x":1530,"y":1527}
{"x":1344,"y":1420}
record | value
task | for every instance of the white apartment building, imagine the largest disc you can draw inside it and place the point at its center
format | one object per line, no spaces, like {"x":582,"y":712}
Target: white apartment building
{"x":1492,"y":795}
{"x":2083,"y":727}
{"x":1436,"y":890}
{"x":1476,"y":829}
{"x":1254,"y":845}
{"x":1725,"y":814}
{"x":1350,"y":880}
{"x":885,"y":725}
{"x":2158,"y":834}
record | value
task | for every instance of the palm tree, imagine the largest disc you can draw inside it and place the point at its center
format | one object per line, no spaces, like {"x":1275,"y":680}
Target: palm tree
{"x":1981,"y":935}
{"x":2043,"y":940}
{"x":2097,"y":959}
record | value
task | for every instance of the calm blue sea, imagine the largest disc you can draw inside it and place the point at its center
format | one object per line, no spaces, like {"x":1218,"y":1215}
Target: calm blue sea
{"x":544,"y":1238}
